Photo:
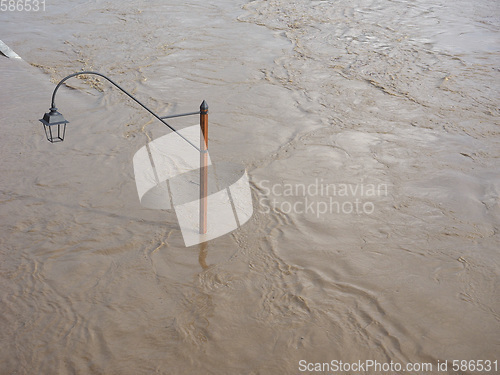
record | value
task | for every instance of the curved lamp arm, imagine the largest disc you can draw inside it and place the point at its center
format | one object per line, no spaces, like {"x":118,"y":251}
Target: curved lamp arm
{"x":53,"y":104}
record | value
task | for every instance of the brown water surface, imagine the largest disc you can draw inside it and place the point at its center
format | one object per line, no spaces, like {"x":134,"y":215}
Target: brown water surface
{"x":397,"y":96}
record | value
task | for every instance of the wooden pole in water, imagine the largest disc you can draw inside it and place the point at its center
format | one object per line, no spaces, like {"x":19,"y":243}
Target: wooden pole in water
{"x":203,"y":166}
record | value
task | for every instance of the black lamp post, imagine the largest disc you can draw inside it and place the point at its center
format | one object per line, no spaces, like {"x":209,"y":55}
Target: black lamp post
{"x":54,"y":125}
{"x":53,"y":117}
{"x":54,"y":120}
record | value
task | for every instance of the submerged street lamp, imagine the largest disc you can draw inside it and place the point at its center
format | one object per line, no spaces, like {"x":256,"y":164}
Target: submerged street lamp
{"x":53,"y":120}
{"x":54,"y":125}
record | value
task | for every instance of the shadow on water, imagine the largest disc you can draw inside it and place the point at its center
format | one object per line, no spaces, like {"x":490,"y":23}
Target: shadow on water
{"x":202,"y":258}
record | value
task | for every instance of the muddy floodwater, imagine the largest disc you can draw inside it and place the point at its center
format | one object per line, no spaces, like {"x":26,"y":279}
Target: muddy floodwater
{"x":370,"y":133}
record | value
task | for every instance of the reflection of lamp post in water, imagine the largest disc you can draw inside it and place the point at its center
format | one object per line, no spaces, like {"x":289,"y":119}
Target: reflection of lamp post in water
{"x":55,"y":129}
